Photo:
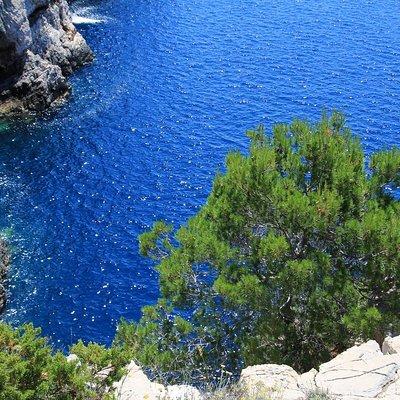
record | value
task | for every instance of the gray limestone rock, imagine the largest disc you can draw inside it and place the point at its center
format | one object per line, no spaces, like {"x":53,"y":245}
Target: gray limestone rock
{"x":39,"y":48}
{"x":361,"y":371}
{"x":391,"y":345}
{"x":277,"y":382}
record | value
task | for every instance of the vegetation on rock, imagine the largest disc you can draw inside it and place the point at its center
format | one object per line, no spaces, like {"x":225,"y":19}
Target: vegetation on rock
{"x":294,"y":257}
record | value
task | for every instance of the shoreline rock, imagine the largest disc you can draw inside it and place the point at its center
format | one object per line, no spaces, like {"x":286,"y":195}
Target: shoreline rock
{"x":4,"y":264}
{"x":39,"y":48}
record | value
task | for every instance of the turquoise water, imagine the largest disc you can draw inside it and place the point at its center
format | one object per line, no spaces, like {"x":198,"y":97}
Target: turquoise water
{"x":174,"y":87}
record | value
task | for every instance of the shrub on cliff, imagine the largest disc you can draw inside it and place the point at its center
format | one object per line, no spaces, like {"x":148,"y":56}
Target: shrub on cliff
{"x":29,"y":370}
{"x":294,"y":256}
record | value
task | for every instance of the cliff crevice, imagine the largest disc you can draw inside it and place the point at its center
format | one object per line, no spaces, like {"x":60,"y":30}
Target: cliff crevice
{"x":4,"y":264}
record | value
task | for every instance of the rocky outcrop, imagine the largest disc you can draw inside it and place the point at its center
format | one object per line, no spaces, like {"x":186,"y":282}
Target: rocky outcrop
{"x":362,"y":372}
{"x":39,"y":48}
{"x":4,"y":263}
{"x":136,"y":386}
{"x":279,"y":381}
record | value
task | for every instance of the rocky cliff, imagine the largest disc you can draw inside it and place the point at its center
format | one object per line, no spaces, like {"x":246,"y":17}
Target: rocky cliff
{"x":39,"y":48}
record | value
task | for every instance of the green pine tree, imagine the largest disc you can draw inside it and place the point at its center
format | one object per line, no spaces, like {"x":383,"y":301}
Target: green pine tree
{"x":294,"y":257}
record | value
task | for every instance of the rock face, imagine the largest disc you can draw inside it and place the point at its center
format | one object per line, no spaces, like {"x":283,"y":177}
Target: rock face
{"x":39,"y":48}
{"x":4,"y":262}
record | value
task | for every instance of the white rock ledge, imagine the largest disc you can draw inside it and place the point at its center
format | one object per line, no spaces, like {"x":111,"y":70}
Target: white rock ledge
{"x":362,"y":372}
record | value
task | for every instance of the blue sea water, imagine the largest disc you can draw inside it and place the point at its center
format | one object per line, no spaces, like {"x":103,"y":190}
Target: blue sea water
{"x":174,"y":86}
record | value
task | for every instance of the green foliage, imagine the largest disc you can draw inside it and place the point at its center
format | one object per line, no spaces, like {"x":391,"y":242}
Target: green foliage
{"x":106,"y":365}
{"x":148,"y":339}
{"x":157,"y":236}
{"x":294,"y":256}
{"x":29,"y":370}
{"x":156,"y":341}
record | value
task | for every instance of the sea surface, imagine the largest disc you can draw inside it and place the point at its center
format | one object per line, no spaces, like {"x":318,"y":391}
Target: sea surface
{"x":174,"y":87}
